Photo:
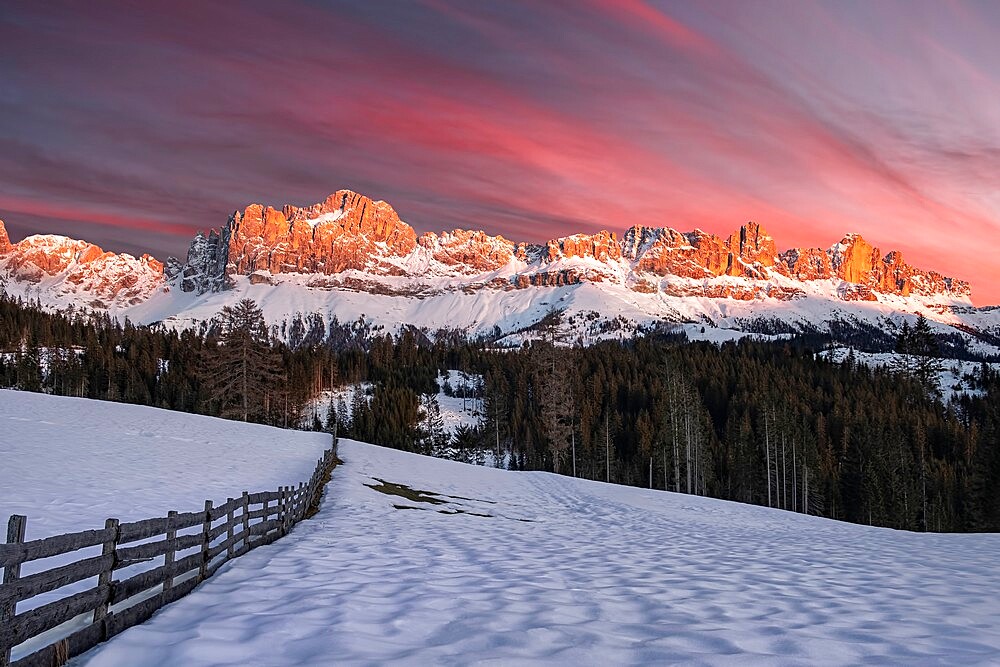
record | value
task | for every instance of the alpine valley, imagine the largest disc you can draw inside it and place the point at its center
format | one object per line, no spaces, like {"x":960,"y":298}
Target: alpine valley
{"x":350,"y":258}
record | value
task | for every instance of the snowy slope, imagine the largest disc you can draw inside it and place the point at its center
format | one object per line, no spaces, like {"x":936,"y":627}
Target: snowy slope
{"x":590,"y":311}
{"x":954,"y":378}
{"x":69,"y":463}
{"x":533,"y":568}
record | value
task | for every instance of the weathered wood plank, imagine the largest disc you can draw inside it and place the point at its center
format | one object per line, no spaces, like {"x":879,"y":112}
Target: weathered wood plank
{"x":221,"y":529}
{"x":264,"y":512}
{"x":13,"y":554}
{"x":228,"y":544}
{"x":49,"y":580}
{"x":224,"y":508}
{"x":28,"y":624}
{"x":104,"y":579}
{"x":129,"y":555}
{"x":123,"y":590}
{"x":140,"y":530}
{"x":230,"y":527}
{"x":16,"y":526}
{"x":79,"y":642}
{"x":141,"y":612}
{"x":265,"y":527}
{"x":246,"y":517}
{"x":169,"y":556}
{"x":263,"y":496}
{"x":205,"y":530}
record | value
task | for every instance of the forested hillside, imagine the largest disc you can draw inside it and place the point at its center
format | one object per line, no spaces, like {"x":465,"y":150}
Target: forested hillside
{"x":765,"y":423}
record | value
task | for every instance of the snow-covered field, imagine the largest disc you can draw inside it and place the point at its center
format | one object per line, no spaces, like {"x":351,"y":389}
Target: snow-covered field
{"x":68,"y":464}
{"x":487,"y":566}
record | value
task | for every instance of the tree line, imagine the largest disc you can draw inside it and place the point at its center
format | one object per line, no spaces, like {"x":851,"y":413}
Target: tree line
{"x":759,"y":422}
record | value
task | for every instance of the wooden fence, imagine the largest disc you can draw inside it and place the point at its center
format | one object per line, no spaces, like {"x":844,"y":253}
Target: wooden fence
{"x":80,"y":621}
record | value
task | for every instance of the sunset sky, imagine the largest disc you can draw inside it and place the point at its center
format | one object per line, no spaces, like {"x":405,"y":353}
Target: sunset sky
{"x":134,"y":124}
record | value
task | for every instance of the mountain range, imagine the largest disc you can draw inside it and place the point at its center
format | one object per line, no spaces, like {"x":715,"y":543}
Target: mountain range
{"x":352,"y":258}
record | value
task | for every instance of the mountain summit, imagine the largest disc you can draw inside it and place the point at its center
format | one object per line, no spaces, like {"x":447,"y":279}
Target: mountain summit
{"x":349,"y":233}
{"x":351,"y":258}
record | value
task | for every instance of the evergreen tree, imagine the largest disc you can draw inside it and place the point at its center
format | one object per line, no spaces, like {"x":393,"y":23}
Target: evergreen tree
{"x":242,"y":371}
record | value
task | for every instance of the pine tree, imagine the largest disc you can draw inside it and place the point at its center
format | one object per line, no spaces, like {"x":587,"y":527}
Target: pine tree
{"x":242,"y":368}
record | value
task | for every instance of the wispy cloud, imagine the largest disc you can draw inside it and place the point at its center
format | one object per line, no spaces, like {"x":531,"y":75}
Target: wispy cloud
{"x":524,"y":118}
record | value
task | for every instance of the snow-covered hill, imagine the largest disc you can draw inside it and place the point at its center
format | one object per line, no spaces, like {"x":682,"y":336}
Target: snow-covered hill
{"x":420,"y":561}
{"x":70,"y":463}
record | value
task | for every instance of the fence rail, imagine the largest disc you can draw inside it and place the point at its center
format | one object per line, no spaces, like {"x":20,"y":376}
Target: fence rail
{"x":81,"y":620}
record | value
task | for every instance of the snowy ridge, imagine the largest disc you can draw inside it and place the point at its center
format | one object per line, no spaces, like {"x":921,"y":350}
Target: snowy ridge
{"x":350,"y":257}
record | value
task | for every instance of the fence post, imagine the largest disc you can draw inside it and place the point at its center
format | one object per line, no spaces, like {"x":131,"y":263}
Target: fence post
{"x":264,"y":518}
{"x":104,"y":579}
{"x":300,"y":505}
{"x":281,"y":509}
{"x":15,"y":535}
{"x":246,"y":520}
{"x":229,"y":529}
{"x":168,"y":558}
{"x":206,"y":527}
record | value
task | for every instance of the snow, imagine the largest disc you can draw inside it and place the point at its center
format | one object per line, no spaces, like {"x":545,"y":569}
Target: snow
{"x":69,"y":463}
{"x":456,"y":411}
{"x":566,"y":571}
{"x":434,"y":296}
{"x":953,"y":379}
{"x":332,"y":216}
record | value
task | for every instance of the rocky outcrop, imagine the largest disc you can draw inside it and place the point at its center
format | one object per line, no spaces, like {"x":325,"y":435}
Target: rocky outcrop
{"x":349,"y":231}
{"x":103,"y":278}
{"x":602,"y":246}
{"x":5,"y":245}
{"x":751,"y":252}
{"x":665,"y":252}
{"x":806,"y":263}
{"x":468,"y":252}
{"x":856,"y":261}
{"x":205,"y":268}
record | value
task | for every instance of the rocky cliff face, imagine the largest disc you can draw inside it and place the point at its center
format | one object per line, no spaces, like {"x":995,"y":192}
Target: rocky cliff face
{"x":468,"y":252}
{"x":4,"y":240}
{"x":349,"y":231}
{"x":69,"y":267}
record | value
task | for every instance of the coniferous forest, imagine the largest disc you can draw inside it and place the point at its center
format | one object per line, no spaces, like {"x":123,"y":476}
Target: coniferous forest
{"x":769,"y":423}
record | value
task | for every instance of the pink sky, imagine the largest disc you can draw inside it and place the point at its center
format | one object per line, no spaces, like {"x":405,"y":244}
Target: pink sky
{"x":135,"y":125}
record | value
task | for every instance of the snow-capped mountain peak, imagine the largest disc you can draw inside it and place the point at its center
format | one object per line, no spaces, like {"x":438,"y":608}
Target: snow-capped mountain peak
{"x":350,"y":256}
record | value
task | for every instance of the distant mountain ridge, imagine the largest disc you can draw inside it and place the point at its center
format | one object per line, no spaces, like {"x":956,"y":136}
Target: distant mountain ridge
{"x":350,"y":232}
{"x":351,"y":257}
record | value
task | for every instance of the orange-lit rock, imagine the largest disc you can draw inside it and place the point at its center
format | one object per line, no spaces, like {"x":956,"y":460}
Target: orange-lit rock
{"x":602,"y":246}
{"x":84,"y":268}
{"x":751,"y":250}
{"x":807,"y":263}
{"x":346,"y":231}
{"x":855,"y":260}
{"x":5,"y":246}
{"x":666,"y":252}
{"x":469,"y":251}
